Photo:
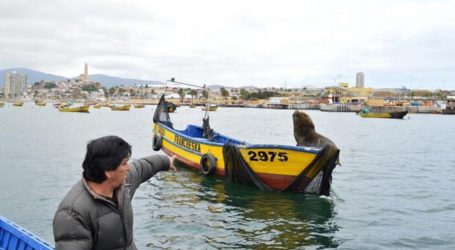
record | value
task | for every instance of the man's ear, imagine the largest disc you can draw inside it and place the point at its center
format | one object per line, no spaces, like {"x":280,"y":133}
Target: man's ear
{"x":107,"y":174}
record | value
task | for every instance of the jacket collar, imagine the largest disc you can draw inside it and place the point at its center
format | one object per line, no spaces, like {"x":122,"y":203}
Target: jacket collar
{"x":119,"y":193}
{"x":91,"y":192}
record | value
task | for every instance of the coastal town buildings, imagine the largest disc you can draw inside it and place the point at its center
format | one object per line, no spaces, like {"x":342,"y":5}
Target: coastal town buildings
{"x":340,"y":97}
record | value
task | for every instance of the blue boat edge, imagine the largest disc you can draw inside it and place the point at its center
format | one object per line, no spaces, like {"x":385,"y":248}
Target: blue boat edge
{"x":13,"y":236}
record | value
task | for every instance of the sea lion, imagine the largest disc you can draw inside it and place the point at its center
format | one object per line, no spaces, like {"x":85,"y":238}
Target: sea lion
{"x":305,"y":133}
{"x":306,"y":136}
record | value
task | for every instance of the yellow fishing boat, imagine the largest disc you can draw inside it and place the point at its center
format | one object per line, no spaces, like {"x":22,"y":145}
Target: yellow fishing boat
{"x":57,"y":104}
{"x":80,"y":109}
{"x":125,"y":107}
{"x":18,"y":103}
{"x":40,"y":103}
{"x":267,"y":166}
{"x":382,"y":113}
{"x":97,"y":106}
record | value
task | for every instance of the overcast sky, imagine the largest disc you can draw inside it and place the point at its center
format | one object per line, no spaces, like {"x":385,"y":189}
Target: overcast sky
{"x":235,"y":43}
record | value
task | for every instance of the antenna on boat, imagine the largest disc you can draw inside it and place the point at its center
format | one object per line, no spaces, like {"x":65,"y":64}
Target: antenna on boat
{"x":203,"y":87}
{"x":184,"y":83}
{"x":207,"y":105}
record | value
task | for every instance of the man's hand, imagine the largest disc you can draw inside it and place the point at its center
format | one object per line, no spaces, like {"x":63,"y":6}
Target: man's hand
{"x":171,"y":163}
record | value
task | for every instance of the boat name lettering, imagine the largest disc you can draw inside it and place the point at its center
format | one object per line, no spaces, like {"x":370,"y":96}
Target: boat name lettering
{"x":195,"y":146}
{"x":161,"y":130}
{"x":267,"y":156}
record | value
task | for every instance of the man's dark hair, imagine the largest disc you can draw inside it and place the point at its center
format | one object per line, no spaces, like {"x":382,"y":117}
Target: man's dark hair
{"x":105,"y":153}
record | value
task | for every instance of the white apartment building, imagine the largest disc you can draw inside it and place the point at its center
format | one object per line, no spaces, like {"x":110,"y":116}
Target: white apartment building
{"x":360,"y":80}
{"x":15,"y":84}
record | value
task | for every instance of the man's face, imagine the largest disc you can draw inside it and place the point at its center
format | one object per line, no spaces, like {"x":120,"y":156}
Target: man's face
{"x":118,"y":177}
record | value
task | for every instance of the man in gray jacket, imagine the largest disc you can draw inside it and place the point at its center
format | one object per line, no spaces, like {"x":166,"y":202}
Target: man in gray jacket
{"x":96,"y":213}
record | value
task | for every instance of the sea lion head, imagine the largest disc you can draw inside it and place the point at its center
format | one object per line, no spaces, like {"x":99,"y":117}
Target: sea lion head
{"x":303,"y":126}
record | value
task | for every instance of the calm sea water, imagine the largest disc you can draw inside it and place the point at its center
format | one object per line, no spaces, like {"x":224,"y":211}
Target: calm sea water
{"x":393,"y":190}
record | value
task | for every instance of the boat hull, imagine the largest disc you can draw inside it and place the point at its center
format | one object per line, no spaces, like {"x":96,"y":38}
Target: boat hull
{"x":121,"y":108}
{"x":277,"y":166}
{"x":14,"y":237}
{"x":392,"y":115}
{"x":81,"y":109}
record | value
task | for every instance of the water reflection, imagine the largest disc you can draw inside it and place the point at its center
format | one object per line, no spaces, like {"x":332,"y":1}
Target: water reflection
{"x":271,"y":219}
{"x":218,"y":214}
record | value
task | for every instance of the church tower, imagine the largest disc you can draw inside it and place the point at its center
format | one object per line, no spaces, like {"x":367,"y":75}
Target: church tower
{"x":86,"y":73}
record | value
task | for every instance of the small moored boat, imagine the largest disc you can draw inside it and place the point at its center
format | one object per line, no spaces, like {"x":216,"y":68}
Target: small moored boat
{"x":80,"y":109}
{"x":391,"y":114}
{"x":125,"y":107}
{"x":40,"y":103}
{"x":18,"y":103}
{"x":450,"y":106}
{"x":382,"y":112}
{"x":212,"y":107}
{"x":57,"y":104}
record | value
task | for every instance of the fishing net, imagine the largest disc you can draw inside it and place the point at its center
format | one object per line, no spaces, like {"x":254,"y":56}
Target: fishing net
{"x":237,"y":170}
{"x":326,"y":161}
{"x":207,"y":132}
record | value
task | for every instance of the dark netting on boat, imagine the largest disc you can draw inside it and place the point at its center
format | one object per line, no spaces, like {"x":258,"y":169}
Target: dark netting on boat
{"x":171,"y":106}
{"x":207,"y":132}
{"x":237,"y":170}
{"x":326,"y":161}
{"x":161,"y":113}
{"x":327,"y":170}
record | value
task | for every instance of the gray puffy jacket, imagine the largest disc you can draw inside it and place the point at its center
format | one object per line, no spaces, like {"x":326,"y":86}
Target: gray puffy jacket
{"x":85,"y":220}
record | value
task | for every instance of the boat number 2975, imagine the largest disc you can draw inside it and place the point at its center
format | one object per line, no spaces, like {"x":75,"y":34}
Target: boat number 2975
{"x":267,"y":156}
